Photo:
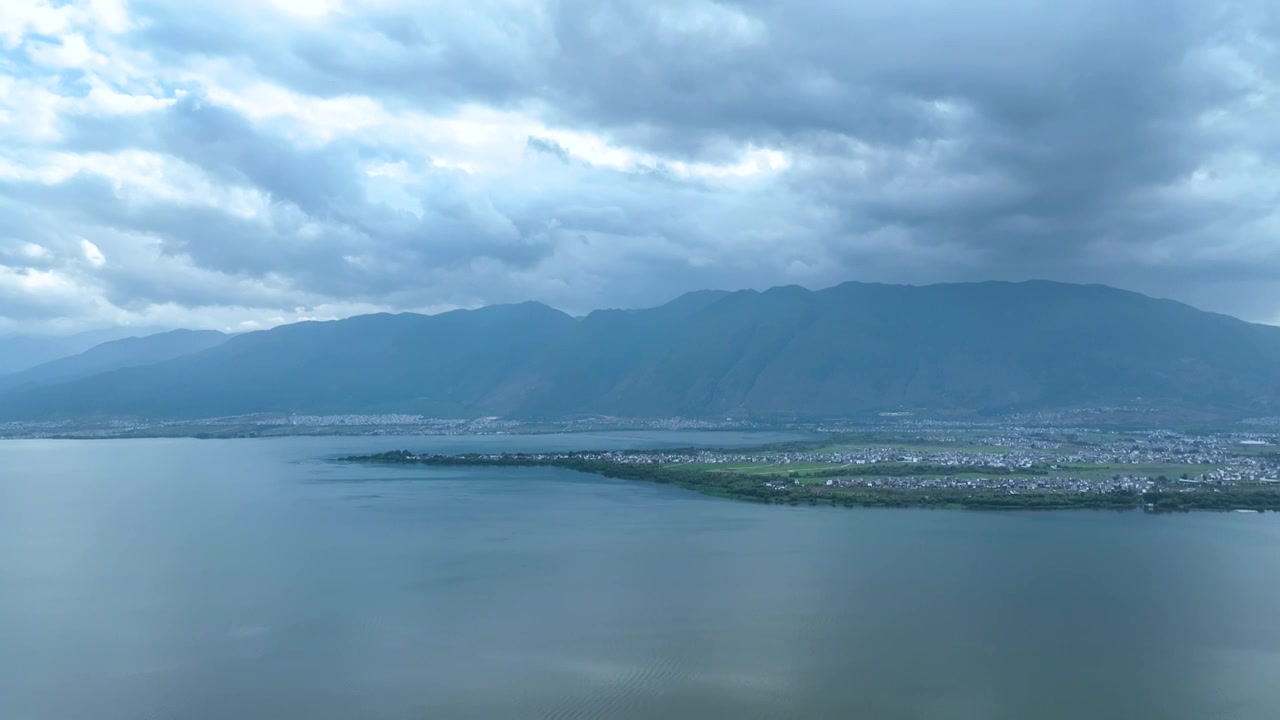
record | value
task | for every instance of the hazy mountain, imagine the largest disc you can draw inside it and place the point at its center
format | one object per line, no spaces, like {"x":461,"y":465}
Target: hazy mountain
{"x":114,"y":355}
{"x":20,"y":352}
{"x":438,"y":364}
{"x":787,"y":351}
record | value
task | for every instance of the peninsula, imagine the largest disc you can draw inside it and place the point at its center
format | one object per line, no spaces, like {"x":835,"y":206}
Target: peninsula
{"x":1004,"y":468}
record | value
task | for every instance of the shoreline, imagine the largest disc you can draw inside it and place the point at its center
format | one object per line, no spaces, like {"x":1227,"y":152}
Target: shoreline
{"x":748,"y":488}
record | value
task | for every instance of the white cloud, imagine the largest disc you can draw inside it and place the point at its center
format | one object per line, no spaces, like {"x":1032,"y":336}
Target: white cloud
{"x":106,"y":100}
{"x":18,"y":19}
{"x":46,"y":294}
{"x":70,"y":52}
{"x":28,"y":111}
{"x":18,"y":253}
{"x":92,"y":254}
{"x":309,"y":8}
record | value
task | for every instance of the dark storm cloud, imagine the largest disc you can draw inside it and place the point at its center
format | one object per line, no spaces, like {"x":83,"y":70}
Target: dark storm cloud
{"x":319,"y":188}
{"x":433,"y":54}
{"x":1076,"y":104}
{"x":225,"y":145}
{"x":548,"y":146}
{"x":1071,"y":107}
{"x":1122,"y":141}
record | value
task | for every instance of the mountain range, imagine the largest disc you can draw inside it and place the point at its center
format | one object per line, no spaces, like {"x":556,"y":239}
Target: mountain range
{"x":20,"y":351}
{"x":788,"y":351}
{"x":114,"y":355}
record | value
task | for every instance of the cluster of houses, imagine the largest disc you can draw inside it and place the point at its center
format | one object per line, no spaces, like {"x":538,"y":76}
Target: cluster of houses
{"x":1049,"y":465}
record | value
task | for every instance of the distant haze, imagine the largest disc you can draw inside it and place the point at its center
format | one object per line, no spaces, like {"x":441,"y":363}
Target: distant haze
{"x":239,"y":164}
{"x":113,"y":355}
{"x":22,"y":351}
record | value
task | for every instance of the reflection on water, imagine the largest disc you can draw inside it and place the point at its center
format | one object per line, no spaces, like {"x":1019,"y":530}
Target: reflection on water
{"x":255,"y":579}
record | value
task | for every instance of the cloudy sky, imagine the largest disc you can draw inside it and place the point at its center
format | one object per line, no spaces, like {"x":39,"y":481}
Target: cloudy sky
{"x":241,"y":163}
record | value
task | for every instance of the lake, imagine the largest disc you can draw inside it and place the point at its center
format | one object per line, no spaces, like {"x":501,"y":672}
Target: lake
{"x":254,"y":579}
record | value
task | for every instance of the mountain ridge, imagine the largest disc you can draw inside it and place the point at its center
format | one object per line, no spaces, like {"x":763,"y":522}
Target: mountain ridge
{"x":114,"y":355}
{"x":850,"y":348}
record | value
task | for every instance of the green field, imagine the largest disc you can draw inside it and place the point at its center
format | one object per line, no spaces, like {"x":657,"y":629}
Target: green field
{"x":809,"y":473}
{"x":1172,"y":471}
{"x":749,"y":468}
{"x":744,"y":481}
{"x":911,"y":447}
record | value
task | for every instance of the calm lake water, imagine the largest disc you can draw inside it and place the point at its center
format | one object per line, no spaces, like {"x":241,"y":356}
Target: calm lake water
{"x":253,"y":579}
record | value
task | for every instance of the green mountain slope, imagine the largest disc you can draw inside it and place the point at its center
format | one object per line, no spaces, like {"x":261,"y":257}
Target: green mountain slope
{"x":965,"y":346}
{"x":784,"y":352}
{"x":413,"y":363}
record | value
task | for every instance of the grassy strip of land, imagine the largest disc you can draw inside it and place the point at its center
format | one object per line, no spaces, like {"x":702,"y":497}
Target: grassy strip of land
{"x":1168,"y":497}
{"x":818,"y":472}
{"x":849,"y":441}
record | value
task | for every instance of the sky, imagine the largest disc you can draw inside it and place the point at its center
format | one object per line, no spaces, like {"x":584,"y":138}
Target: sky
{"x":243,"y":163}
